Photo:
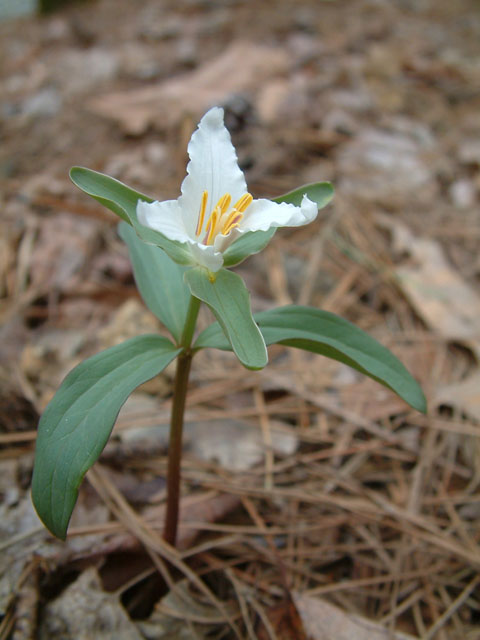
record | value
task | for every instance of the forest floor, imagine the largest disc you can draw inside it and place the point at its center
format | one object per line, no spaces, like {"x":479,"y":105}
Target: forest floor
{"x":316,"y":504}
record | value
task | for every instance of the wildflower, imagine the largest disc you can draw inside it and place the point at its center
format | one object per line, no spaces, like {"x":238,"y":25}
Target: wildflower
{"x":215,"y":208}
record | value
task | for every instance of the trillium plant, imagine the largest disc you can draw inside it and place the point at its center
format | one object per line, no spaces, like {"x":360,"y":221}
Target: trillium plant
{"x":182,"y":251}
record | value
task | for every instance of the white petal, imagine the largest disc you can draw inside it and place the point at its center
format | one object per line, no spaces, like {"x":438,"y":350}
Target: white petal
{"x":221,"y":242}
{"x":265,"y":214}
{"x":165,"y":217}
{"x":207,"y":256}
{"x":213,"y":167}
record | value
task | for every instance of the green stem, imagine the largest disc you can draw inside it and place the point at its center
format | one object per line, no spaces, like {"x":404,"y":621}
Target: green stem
{"x":175,"y":448}
{"x":190,"y":322}
{"x":176,"y":423}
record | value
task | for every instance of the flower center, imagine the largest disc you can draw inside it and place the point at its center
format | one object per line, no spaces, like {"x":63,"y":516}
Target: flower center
{"x":223,"y":217}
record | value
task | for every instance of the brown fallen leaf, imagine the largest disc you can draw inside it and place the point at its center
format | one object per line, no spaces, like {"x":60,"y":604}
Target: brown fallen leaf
{"x":171,"y":613}
{"x":27,"y":601}
{"x":64,"y":246}
{"x":129,"y":320}
{"x":235,"y":444}
{"x":22,"y":537}
{"x":324,"y":621}
{"x":440,"y":296}
{"x":242,"y":67}
{"x":464,"y":395}
{"x":206,"y":507}
{"x":387,"y":166}
{"x":84,"y":611}
{"x":194,"y":511}
{"x":286,"y":621}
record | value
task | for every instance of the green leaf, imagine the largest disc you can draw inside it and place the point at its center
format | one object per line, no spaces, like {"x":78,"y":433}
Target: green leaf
{"x":229,"y":300}
{"x":319,"y":192}
{"x":248,"y":244}
{"x":122,"y":200}
{"x":77,"y":422}
{"x":112,"y":193}
{"x":331,"y":336}
{"x":159,"y":280}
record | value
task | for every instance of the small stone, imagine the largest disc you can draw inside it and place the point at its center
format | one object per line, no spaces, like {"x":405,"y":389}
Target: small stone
{"x":164,"y":29}
{"x":388,"y":166}
{"x":81,"y":71}
{"x":156,"y":153}
{"x":462,"y":193}
{"x":469,"y":152}
{"x":304,"y":47}
{"x":339,"y":121}
{"x":57,"y":30}
{"x":46,"y":103}
{"x":359,"y":101}
{"x":271,"y":99}
{"x":187,"y":52}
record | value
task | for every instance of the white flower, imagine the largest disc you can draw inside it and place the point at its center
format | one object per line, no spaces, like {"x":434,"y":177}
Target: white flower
{"x":215,"y":207}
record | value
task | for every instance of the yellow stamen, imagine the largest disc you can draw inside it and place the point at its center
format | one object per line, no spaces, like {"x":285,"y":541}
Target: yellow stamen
{"x":224,"y":203}
{"x":231,"y":227}
{"x":244,"y":202}
{"x":201,"y":215}
{"x":220,"y":208}
{"x":232,"y":220}
{"x":220,"y":217}
{"x":211,"y":224}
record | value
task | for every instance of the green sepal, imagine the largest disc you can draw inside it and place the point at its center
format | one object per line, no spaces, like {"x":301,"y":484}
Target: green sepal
{"x":329,"y":335}
{"x":319,"y":192}
{"x":76,"y":424}
{"x":159,"y":280}
{"x":227,"y":297}
{"x":246,"y":245}
{"x":122,"y":200}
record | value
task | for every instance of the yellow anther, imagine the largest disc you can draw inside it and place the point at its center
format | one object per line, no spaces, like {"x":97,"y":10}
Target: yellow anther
{"x":224,"y":203}
{"x":218,"y":211}
{"x":211,"y":224}
{"x":201,"y":214}
{"x":221,"y":219}
{"x":244,"y":202}
{"x":231,"y":227}
{"x":232,"y":221}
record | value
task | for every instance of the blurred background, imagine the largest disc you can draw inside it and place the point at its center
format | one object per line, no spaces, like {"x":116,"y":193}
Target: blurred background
{"x":313,"y":494}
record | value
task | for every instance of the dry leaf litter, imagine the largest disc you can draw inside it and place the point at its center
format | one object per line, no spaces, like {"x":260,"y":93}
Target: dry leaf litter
{"x":316,"y":504}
